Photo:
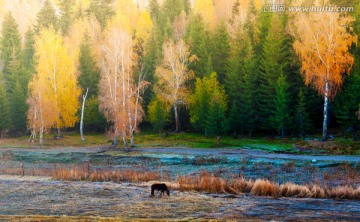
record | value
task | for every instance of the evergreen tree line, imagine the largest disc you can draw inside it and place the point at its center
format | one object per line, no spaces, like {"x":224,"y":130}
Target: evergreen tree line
{"x":247,"y":76}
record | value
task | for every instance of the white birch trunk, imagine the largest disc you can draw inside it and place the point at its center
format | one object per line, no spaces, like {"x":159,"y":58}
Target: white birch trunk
{"x":141,"y":77}
{"x":41,"y":138}
{"x":41,"y":134}
{"x":82,"y":115}
{"x":116,"y":132}
{"x":124,"y":140}
{"x":33,"y":130}
{"x":326,"y":105}
{"x":177,"y":123}
{"x":41,"y":125}
{"x":130,"y":126}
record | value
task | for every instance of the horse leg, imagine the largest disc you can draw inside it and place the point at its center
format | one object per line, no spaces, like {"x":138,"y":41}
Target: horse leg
{"x":152,"y":192}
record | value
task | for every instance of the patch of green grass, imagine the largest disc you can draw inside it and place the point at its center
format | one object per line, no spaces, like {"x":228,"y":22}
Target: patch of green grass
{"x":193,"y":140}
{"x":146,"y":139}
{"x":69,"y":140}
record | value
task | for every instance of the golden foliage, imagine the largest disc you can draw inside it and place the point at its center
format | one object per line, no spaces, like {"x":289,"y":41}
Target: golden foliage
{"x":53,"y":90}
{"x":144,"y":26}
{"x":323,"y":41}
{"x":173,"y":74}
{"x":206,"y":9}
{"x":86,"y":26}
{"x":119,"y":96}
{"x":127,"y":9}
{"x":81,"y":5}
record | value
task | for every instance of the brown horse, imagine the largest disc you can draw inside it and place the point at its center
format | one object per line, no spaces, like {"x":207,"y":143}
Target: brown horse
{"x":161,"y":187}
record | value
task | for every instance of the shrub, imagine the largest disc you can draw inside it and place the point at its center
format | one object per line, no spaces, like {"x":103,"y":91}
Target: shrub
{"x":264,"y":188}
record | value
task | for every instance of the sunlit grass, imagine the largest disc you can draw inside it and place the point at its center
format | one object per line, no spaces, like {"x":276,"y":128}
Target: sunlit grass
{"x":147,"y":139}
{"x":69,"y":140}
{"x":191,"y":140}
{"x":207,"y":182}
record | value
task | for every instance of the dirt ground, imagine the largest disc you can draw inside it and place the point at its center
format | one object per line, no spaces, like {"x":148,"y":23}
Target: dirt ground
{"x":34,"y":198}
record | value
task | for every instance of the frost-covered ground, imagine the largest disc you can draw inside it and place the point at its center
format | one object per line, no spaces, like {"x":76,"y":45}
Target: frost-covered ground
{"x":30,"y":196}
{"x":43,"y":196}
{"x":251,"y":164}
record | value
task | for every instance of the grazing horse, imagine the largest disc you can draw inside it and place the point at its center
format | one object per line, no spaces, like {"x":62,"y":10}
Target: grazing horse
{"x":159,"y":186}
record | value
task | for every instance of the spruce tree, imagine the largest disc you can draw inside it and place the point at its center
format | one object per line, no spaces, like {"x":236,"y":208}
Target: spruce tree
{"x":47,"y":17}
{"x":198,"y":39}
{"x":10,"y":54}
{"x":302,"y":116}
{"x":154,"y":10}
{"x":4,"y":107}
{"x":172,"y":8}
{"x":94,"y":120}
{"x":220,"y":51}
{"x":258,"y":26}
{"x":198,"y":105}
{"x":157,"y":115}
{"x":235,"y":11}
{"x":346,"y":103}
{"x":149,"y":61}
{"x":67,"y":15}
{"x":240,"y":83}
{"x":216,"y":122}
{"x":248,"y":106}
{"x":89,"y":72}
{"x":28,"y":60}
{"x":89,"y":78}
{"x":18,"y":107}
{"x":168,"y":29}
{"x":255,"y":26}
{"x":10,"y":42}
{"x":235,"y":119}
{"x":280,"y":116}
{"x":20,"y":72}
{"x":291,"y":69}
{"x":235,"y":67}
{"x":271,"y":65}
{"x":102,"y":10}
{"x":208,"y":106}
{"x":16,"y":91}
{"x":187,"y":6}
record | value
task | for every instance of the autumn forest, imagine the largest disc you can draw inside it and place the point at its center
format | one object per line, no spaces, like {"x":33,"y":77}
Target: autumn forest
{"x":212,"y":67}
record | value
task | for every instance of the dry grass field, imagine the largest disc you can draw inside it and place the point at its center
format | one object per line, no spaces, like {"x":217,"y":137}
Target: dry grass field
{"x":106,"y":184}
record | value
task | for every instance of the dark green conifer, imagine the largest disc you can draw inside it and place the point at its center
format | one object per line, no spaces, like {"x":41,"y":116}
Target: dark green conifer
{"x":47,"y":18}
{"x":302,"y":116}
{"x":10,"y":42}
{"x":280,"y":115}
{"x":220,"y":51}
{"x":102,"y":10}
{"x":67,"y":15}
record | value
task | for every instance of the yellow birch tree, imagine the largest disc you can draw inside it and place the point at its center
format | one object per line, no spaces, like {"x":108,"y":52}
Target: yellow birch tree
{"x":173,"y":74}
{"x":53,"y":90}
{"x":323,"y":41}
{"x":144,"y":26}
